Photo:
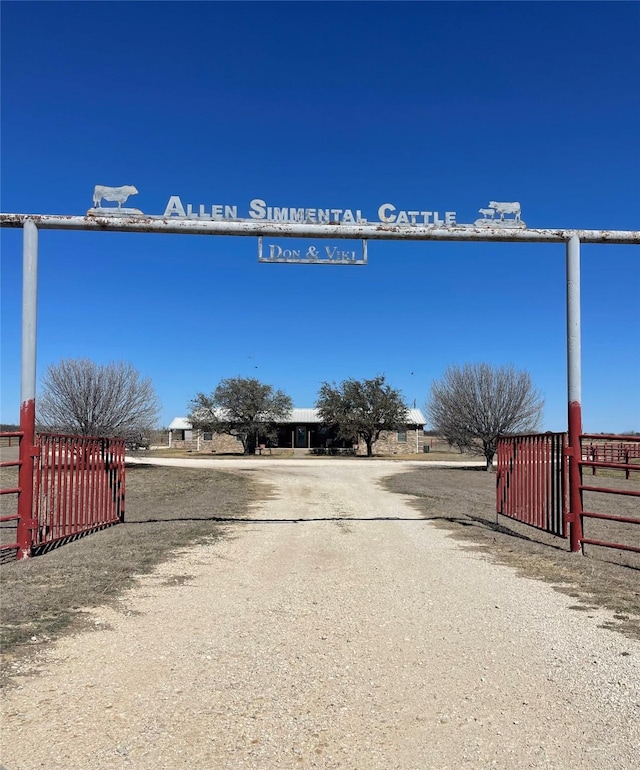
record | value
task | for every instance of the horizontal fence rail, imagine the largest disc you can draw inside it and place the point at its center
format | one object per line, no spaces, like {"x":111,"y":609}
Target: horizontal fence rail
{"x":602,"y":454}
{"x":616,"y":456}
{"x":531,"y":480}
{"x":80,"y":486}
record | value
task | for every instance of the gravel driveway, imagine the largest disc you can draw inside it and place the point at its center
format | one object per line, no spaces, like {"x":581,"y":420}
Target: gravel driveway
{"x":336,"y":629}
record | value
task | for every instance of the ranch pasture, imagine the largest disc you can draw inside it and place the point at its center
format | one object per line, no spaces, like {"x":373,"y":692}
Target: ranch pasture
{"x":170,"y":508}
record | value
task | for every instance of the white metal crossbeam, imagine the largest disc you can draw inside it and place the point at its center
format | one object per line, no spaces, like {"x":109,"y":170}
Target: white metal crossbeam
{"x":370,"y":231}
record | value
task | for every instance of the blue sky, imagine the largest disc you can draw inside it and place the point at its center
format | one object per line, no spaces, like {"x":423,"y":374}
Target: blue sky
{"x":439,"y":106}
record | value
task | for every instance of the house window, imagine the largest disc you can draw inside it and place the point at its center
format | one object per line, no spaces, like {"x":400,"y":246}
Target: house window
{"x":402,"y":437}
{"x":207,"y":436}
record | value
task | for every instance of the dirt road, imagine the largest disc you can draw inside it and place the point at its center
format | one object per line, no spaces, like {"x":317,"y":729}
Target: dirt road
{"x":336,"y":629}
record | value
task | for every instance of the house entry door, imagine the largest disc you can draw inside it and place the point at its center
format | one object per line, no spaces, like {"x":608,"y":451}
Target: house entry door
{"x":301,"y":437}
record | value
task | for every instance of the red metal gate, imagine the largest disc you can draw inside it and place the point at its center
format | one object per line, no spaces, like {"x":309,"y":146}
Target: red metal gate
{"x":619,"y":456}
{"x":10,"y":517}
{"x":78,"y":486}
{"x":531,"y":484}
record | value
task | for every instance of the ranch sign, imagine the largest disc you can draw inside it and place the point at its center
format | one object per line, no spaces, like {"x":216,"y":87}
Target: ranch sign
{"x":496,"y":213}
{"x":312,"y":253}
{"x":387,"y":213}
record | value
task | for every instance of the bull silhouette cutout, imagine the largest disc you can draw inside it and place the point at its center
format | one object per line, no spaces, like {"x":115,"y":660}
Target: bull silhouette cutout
{"x":117,"y":194}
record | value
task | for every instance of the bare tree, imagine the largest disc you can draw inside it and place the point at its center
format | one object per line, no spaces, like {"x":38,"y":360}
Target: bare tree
{"x":242,"y":407}
{"x":82,"y":397}
{"x":362,"y":409}
{"x":473,"y":405}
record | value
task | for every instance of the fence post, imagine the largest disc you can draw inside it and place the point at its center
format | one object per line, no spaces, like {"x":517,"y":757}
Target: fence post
{"x":28,"y":387}
{"x":574,"y":389}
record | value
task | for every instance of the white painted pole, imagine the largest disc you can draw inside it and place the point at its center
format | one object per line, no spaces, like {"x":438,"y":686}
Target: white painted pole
{"x":574,"y":344}
{"x":29,"y":311}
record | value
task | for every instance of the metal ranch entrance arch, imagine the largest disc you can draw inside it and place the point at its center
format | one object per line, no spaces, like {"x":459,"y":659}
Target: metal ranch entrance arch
{"x":489,"y":229}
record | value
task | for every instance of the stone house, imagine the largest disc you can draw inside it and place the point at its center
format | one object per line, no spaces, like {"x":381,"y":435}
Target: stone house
{"x":303,"y":431}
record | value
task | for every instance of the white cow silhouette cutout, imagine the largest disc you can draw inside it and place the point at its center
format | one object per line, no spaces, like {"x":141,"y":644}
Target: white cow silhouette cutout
{"x":117,"y":194}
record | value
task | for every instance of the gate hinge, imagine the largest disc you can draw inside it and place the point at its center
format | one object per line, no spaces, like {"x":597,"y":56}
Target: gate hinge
{"x":568,"y":451}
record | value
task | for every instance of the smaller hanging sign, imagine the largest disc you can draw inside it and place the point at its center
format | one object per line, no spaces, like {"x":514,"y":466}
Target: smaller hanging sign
{"x":315,"y":253}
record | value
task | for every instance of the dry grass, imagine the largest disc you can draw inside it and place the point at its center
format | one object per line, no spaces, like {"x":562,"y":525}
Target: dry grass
{"x":167,"y":509}
{"x":437,"y":456}
{"x":463,"y":502}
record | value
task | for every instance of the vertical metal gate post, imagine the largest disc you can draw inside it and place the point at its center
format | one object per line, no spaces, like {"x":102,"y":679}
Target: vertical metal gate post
{"x":28,"y":387}
{"x":574,"y":388}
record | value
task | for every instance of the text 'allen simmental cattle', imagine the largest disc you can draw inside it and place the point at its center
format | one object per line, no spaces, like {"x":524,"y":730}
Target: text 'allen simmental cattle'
{"x":497,"y":214}
{"x":259,"y":209}
{"x":387,"y":213}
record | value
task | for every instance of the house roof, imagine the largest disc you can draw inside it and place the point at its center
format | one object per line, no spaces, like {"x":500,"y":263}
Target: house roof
{"x":304,"y":415}
{"x":415,"y":417}
{"x":180,"y":423}
{"x":298,"y":415}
